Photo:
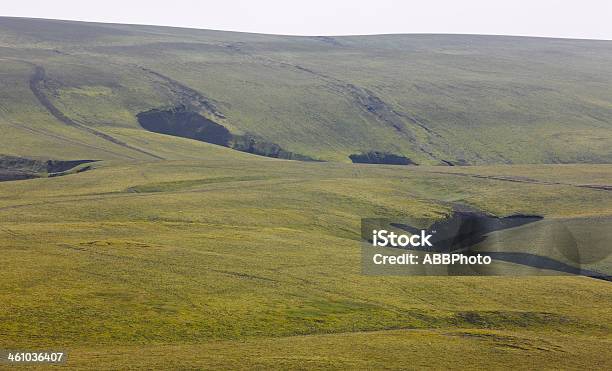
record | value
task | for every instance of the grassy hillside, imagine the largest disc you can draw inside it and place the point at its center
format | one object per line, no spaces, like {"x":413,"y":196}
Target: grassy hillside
{"x":172,"y":253}
{"x":255,"y":262}
{"x":432,"y":98}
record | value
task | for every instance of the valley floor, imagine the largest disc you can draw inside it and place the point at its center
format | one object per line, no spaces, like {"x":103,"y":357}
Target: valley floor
{"x":255,"y":263}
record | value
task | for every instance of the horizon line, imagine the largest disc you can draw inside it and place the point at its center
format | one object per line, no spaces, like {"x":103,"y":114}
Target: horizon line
{"x":303,"y":35}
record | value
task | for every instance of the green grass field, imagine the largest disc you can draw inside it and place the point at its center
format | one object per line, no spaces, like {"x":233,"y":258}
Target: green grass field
{"x":172,"y":253}
{"x":254,"y":262}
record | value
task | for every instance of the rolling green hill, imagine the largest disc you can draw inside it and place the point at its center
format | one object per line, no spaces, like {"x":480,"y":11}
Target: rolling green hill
{"x":74,"y":89}
{"x":242,"y":262}
{"x":159,"y":251}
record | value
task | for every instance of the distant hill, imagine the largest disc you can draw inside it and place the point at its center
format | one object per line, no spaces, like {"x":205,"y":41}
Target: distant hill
{"x":73,"y":90}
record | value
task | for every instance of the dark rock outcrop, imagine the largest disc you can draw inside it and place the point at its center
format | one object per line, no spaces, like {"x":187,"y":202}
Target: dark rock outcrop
{"x":182,"y":122}
{"x":376,"y":157}
{"x":20,"y":168}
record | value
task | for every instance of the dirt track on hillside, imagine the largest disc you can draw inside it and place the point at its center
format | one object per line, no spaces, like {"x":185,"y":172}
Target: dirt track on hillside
{"x":37,"y":82}
{"x":503,"y":178}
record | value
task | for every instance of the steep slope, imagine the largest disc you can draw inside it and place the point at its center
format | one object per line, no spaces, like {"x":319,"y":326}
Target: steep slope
{"x":434,"y":99}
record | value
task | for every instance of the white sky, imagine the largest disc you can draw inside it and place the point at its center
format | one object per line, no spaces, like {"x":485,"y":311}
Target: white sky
{"x":552,"y":18}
